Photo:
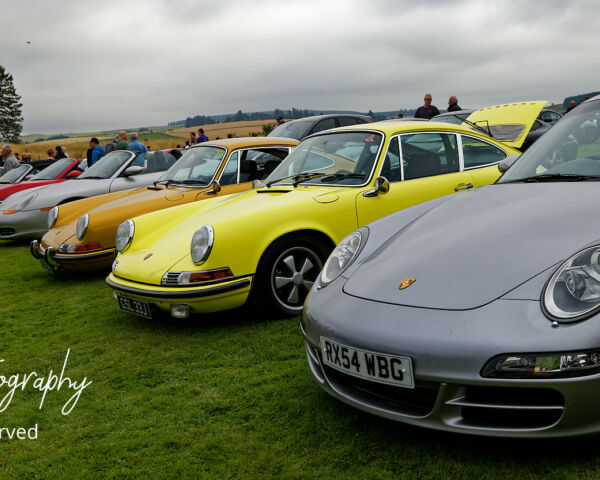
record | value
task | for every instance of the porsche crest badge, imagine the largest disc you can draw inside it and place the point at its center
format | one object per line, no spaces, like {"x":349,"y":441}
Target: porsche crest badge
{"x":407,"y":282}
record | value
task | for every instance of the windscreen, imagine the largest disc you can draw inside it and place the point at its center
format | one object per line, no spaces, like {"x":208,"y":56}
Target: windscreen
{"x":52,"y":172}
{"x":344,"y":158}
{"x":13,"y":175}
{"x":291,"y":130}
{"x":107,"y":166}
{"x":197,"y":166}
{"x":571,"y":147}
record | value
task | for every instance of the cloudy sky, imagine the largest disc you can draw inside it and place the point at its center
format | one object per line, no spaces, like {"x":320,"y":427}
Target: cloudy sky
{"x":95,"y":65}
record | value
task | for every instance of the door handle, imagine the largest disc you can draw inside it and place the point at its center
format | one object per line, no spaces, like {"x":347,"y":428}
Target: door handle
{"x":466,"y":187}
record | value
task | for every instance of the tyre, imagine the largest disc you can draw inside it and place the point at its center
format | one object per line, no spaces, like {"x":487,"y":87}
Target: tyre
{"x":287,"y":271}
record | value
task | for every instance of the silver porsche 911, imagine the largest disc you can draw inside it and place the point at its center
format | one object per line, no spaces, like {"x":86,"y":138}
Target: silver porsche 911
{"x":476,"y":313}
{"x":25,"y":214}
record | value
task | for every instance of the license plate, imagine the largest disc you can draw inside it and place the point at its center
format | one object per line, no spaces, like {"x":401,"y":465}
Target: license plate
{"x":136,"y":307}
{"x":373,"y":366}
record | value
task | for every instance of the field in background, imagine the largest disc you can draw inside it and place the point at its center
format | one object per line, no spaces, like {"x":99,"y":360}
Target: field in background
{"x":76,"y":146}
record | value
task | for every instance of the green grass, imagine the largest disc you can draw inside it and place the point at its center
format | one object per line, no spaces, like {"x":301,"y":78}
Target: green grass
{"x":221,"y":396}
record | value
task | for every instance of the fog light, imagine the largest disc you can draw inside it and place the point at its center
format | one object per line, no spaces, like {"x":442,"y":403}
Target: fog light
{"x":543,"y":365}
{"x":79,"y":247}
{"x":180,"y":311}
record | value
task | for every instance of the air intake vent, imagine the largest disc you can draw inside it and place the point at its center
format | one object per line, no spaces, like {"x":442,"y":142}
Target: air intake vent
{"x":6,"y":232}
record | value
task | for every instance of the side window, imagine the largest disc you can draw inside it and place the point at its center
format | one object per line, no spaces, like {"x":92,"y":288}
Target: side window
{"x":258,"y":163}
{"x":343,"y":121}
{"x":156,"y":162}
{"x":323,"y":125}
{"x":229,"y":175}
{"x":429,"y":154}
{"x":391,"y":165}
{"x":140,"y":160}
{"x":477,"y":153}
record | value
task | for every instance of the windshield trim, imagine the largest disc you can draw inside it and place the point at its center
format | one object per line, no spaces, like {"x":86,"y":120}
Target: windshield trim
{"x":217,"y":170}
{"x":334,"y":132}
{"x":118,"y":171}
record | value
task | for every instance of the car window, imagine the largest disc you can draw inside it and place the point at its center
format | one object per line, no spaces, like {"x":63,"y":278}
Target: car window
{"x":13,"y":175}
{"x":343,"y":121}
{"x":391,"y":169}
{"x":197,"y":166}
{"x":258,"y":163}
{"x":295,"y":129}
{"x":53,"y":170}
{"x":477,"y":153}
{"x":107,"y":166}
{"x":428,"y":154}
{"x":341,"y":158}
{"x":230,"y":172}
{"x":550,"y":117}
{"x":323,"y":125}
{"x":571,"y":147}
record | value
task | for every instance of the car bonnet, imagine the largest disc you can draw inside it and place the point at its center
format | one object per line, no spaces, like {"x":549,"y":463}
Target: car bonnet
{"x":477,"y":246}
{"x":509,"y":123}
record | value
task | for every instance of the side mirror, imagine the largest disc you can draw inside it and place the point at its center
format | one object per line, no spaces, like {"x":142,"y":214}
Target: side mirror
{"x":382,"y":186}
{"x":73,"y":174}
{"x":133,"y":171}
{"x":505,"y":164}
{"x":256,"y":184}
{"x":215,"y":188}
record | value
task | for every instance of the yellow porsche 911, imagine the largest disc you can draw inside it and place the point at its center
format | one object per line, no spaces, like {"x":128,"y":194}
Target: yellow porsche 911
{"x":82,"y":233}
{"x":269,"y":244}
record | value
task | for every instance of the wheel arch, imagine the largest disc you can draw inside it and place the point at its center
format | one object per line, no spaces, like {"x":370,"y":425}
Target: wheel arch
{"x":314,"y":234}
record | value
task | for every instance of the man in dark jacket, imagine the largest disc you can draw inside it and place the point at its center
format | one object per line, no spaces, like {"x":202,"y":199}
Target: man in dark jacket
{"x":453,"y":104}
{"x":427,"y":110}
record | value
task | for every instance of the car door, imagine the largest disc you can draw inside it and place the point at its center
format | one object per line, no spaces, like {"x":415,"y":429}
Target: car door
{"x":153,"y":164}
{"x":419,"y":167}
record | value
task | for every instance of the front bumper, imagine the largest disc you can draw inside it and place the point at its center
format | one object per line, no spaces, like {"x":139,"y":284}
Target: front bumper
{"x":448,"y":350}
{"x":85,"y":261}
{"x":20,"y":225}
{"x":210,"y":298}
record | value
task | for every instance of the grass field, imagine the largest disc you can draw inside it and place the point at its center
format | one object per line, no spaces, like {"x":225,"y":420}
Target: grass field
{"x":77,"y":145}
{"x":222,"y":396}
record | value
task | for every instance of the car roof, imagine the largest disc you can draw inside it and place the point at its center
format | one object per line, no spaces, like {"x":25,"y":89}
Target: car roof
{"x":316,"y":118}
{"x":248,"y":142}
{"x":392,"y":127}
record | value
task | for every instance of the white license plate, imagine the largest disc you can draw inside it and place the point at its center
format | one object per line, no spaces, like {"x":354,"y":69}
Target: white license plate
{"x":136,"y":307}
{"x":374,"y":366}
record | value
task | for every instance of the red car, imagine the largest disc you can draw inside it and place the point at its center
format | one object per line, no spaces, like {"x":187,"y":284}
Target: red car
{"x":58,"y":171}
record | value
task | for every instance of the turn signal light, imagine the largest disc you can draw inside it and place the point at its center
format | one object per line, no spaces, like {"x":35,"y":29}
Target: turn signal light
{"x":10,"y":212}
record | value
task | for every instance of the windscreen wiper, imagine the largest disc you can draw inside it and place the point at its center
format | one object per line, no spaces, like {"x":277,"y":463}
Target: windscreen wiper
{"x":343,"y":175}
{"x":296,"y":178}
{"x":555,"y":177}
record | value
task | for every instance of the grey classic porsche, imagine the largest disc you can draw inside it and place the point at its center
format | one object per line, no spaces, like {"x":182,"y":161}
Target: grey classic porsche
{"x":25,"y":214}
{"x":476,"y":313}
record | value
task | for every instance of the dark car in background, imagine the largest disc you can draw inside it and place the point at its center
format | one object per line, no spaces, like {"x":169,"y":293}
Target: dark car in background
{"x":303,"y":127}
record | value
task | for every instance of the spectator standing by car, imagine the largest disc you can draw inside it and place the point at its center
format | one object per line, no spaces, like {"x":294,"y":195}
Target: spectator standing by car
{"x":50,"y":152}
{"x":193,"y":139}
{"x":8,"y":158}
{"x":97,"y":151}
{"x":453,"y":104}
{"x":122,"y":143}
{"x":201,"y":137}
{"x":59,"y":153}
{"x":427,"y":110}
{"x":135,"y":145}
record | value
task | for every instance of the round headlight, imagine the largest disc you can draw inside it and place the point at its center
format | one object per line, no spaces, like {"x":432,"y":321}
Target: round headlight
{"x":202,"y":243}
{"x":343,"y":255}
{"x":573,"y":292}
{"x":82,"y":225}
{"x":52,"y":217}
{"x":124,"y":235}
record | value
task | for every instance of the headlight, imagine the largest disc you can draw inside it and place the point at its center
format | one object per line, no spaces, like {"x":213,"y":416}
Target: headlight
{"x":23,"y":204}
{"x":543,"y":365}
{"x":573,"y":292}
{"x":124,"y":235}
{"x":202,"y":243}
{"x":52,"y":217}
{"x":82,"y":226}
{"x":343,"y":255}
